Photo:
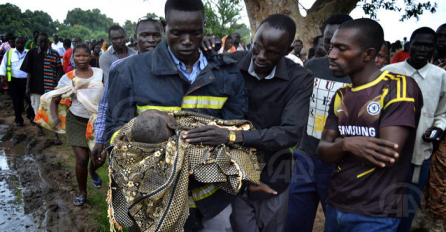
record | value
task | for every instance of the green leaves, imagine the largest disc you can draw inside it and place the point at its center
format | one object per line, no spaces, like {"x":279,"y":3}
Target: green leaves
{"x":411,"y":8}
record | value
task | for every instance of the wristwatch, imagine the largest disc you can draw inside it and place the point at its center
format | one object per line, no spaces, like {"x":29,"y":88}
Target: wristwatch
{"x":232,"y":137}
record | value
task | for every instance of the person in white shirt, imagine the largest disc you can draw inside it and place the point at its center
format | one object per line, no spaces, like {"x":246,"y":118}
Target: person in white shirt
{"x":58,"y":46}
{"x":16,"y":80}
{"x":432,"y":82}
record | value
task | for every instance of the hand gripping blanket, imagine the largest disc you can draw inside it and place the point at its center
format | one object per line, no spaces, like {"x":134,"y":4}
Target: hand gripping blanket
{"x":88,"y":93}
{"x":149,"y":182}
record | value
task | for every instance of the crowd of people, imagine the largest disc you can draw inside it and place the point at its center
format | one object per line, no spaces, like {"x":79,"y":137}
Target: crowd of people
{"x":365,"y":117}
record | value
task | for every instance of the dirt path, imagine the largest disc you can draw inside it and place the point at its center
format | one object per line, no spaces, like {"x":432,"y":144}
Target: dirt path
{"x":37,"y":181}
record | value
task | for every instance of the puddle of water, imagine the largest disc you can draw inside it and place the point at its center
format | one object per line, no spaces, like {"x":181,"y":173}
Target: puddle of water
{"x":12,"y":215}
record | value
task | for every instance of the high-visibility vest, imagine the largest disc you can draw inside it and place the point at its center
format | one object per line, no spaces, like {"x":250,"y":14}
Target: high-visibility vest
{"x":8,"y":64}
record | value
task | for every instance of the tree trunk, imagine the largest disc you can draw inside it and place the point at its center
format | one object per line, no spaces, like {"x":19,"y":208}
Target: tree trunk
{"x":307,"y":27}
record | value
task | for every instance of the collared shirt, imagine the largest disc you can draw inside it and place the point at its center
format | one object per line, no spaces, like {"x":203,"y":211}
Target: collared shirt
{"x":201,"y":63}
{"x":17,"y":59}
{"x":43,"y":68}
{"x":254,"y":74}
{"x":240,"y":48}
{"x":432,"y":82}
{"x":59,"y":48}
{"x":110,"y":56}
{"x":278,"y":108}
{"x":99,"y":125}
{"x":5,"y":46}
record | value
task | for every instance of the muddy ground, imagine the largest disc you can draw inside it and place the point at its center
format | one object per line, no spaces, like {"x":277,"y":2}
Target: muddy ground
{"x":37,"y":181}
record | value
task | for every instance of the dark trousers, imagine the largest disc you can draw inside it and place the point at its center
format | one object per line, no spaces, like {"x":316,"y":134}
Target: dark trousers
{"x":309,"y":186}
{"x":17,"y":89}
{"x":414,"y":195}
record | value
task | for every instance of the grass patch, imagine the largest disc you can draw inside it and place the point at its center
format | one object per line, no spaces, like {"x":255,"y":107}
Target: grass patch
{"x":19,"y":196}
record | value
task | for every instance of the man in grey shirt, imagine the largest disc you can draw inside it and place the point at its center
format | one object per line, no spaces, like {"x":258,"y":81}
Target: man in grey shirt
{"x":118,"y":50}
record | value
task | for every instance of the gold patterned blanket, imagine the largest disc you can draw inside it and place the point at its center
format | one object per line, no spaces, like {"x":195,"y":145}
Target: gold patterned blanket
{"x":149,"y":182}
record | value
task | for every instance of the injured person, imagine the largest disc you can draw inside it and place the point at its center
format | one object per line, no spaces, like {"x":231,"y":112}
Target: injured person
{"x":152,"y":168}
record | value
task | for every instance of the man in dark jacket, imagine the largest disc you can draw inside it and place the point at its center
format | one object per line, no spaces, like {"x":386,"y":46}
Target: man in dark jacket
{"x":279,"y":95}
{"x":176,"y":76}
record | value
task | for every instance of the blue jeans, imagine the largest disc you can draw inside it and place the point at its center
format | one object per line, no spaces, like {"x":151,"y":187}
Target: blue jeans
{"x":414,"y":195}
{"x":309,"y":186}
{"x":337,"y":221}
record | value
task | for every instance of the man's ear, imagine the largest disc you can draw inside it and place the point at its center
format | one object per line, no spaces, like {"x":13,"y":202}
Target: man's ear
{"x":370,"y":54}
{"x":172,"y":125}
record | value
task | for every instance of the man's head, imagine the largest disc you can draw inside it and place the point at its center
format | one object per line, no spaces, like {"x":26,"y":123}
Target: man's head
{"x":272,"y":42}
{"x":331,"y":25}
{"x":153,"y":126}
{"x":93,"y":41}
{"x":354,"y":46}
{"x":298,"y":45}
{"x":382,"y":57}
{"x":149,"y":33}
{"x":76,"y":40}
{"x":318,"y":44}
{"x":11,"y":41}
{"x":67,"y":44}
{"x":35,"y":35}
{"x":55,"y":38}
{"x":218,"y":44}
{"x":20,"y":43}
{"x":42,"y":41}
{"x":406,"y":46}
{"x":441,"y":39}
{"x":236,"y":37}
{"x":117,"y":36}
{"x":422,"y":46}
{"x":229,"y":42}
{"x":184,"y":28}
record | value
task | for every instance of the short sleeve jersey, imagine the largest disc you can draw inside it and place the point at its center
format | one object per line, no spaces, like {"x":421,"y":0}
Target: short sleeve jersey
{"x":389,"y":100}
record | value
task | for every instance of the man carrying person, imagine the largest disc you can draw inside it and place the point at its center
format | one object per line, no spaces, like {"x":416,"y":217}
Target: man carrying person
{"x":279,"y":93}
{"x":311,"y":177}
{"x":369,"y":134}
{"x":16,"y":79}
{"x":118,"y":50}
{"x":432,"y":82}
{"x":176,"y":76}
{"x":44,"y":69}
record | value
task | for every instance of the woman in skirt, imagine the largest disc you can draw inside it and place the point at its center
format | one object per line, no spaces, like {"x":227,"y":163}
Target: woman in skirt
{"x":78,"y":116}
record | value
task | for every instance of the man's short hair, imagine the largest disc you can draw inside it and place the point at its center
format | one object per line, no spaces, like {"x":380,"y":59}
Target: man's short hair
{"x":442,"y":25}
{"x":67,"y":43}
{"x":298,"y":40}
{"x":336,"y":19}
{"x":43,"y":34}
{"x":424,"y":30}
{"x":20,"y":37}
{"x":371,"y":32}
{"x":148,"y":20}
{"x":12,"y":38}
{"x":282,"y":22}
{"x":181,"y":5}
{"x":115,"y":28}
{"x":316,"y":40}
{"x":78,"y":38}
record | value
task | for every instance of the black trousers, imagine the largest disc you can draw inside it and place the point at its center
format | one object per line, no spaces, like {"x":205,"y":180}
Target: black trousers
{"x":17,"y":90}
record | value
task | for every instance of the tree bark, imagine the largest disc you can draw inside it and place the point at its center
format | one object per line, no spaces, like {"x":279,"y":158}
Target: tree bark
{"x":307,"y":27}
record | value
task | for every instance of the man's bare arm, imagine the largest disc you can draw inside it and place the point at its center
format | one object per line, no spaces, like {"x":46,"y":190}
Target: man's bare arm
{"x":378,"y":152}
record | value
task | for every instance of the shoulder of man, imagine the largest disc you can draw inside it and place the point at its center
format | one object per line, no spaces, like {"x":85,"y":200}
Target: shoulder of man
{"x":237,"y":55}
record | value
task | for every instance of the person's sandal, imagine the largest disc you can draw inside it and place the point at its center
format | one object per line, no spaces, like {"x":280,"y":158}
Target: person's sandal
{"x":97,"y":183}
{"x":79,"y":201}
